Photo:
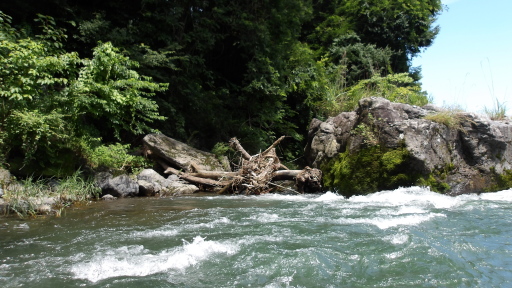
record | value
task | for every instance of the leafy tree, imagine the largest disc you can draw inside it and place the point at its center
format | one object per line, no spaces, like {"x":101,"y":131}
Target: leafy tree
{"x":254,"y":69}
{"x":116,"y":97}
{"x":405,"y":26}
{"x":51,"y":100}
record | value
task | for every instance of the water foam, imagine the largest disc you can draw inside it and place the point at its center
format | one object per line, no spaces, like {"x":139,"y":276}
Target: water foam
{"x":164,"y":232}
{"x":397,"y":239}
{"x":265,"y":217}
{"x":419,"y":196}
{"x":389,"y":222}
{"x":137,"y":261}
{"x":329,"y":197}
{"x":505,"y":195}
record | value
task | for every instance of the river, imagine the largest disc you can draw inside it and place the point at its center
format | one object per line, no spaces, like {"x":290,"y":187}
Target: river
{"x":409,"y":237}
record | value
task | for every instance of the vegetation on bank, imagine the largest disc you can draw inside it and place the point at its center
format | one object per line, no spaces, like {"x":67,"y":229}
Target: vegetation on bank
{"x":32,"y":197}
{"x":251,"y":70}
{"x":81,"y":83}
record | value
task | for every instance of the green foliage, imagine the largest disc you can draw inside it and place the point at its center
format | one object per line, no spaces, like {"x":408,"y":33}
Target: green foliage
{"x":107,"y":89}
{"x":26,"y":197}
{"x":362,"y":60}
{"x":50,"y":99}
{"x":33,"y":130}
{"x":116,"y":157}
{"x":76,"y":188}
{"x":221,"y":149}
{"x":501,"y":181}
{"x":252,"y":69}
{"x":394,"y":87}
{"x":406,"y":27}
{"x":369,"y":170}
{"x":435,"y":184}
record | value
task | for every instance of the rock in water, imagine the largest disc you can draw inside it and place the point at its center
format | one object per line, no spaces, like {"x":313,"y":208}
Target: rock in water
{"x":151,"y":183}
{"x":467,"y":156}
{"x":181,"y":155}
{"x":120,"y":186}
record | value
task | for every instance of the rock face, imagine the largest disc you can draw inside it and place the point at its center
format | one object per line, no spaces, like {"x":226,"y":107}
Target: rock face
{"x":180,"y":155}
{"x":467,"y":157}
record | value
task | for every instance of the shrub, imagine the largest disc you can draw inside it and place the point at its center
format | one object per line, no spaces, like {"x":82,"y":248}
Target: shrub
{"x":116,"y":157}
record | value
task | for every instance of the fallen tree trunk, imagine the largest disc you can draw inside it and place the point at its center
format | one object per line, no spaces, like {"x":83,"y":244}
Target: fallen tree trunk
{"x":190,"y":178}
{"x":256,"y":174}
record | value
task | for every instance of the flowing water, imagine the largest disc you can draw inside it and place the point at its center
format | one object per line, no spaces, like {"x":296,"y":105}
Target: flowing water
{"x":409,"y":237}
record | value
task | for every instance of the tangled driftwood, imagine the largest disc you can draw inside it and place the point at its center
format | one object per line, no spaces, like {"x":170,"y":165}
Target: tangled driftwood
{"x":256,"y":174}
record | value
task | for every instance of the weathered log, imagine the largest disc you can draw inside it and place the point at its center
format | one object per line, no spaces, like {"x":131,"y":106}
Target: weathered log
{"x":273,"y":145}
{"x":255,"y":175}
{"x":193,"y":179}
{"x":309,"y":180}
{"x":280,"y":175}
{"x":226,"y":188}
{"x":181,"y":155}
{"x":216,"y":175}
{"x":236,"y":145}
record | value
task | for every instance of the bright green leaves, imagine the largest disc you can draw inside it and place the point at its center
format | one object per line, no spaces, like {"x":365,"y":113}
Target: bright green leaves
{"x":29,"y":70}
{"x":50,"y":99}
{"x":394,"y":87}
{"x":33,"y":130}
{"x":108,"y":89}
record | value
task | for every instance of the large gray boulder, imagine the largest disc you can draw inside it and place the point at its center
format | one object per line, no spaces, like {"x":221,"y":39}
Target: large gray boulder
{"x":151,"y":183}
{"x":120,"y":186}
{"x":467,"y":157}
{"x":181,"y":156}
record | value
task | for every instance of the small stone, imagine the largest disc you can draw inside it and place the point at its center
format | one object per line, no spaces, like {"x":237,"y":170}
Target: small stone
{"x":108,"y":197}
{"x":45,"y":208}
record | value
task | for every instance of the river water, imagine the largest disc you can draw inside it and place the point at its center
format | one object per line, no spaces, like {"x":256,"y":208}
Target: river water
{"x":409,"y":237}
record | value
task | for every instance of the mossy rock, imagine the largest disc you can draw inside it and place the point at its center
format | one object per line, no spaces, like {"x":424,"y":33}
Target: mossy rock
{"x":501,"y":181}
{"x":368,"y":170}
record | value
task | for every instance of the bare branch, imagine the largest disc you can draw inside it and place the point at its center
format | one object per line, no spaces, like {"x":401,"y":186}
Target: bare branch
{"x":236,"y":145}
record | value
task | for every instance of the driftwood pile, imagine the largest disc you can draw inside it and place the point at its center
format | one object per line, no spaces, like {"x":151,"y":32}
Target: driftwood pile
{"x":256,"y":174}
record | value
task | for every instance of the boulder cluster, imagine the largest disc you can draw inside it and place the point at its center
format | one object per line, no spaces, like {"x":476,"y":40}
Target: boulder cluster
{"x":468,"y":154}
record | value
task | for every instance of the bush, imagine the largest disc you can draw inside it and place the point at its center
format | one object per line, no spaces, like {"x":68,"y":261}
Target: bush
{"x":115,"y":157}
{"x":50,"y":100}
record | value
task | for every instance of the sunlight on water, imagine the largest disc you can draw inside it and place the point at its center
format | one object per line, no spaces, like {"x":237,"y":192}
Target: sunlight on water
{"x":406,"y":237}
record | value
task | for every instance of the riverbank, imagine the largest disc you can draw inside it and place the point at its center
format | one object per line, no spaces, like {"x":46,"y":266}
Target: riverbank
{"x":33,"y":197}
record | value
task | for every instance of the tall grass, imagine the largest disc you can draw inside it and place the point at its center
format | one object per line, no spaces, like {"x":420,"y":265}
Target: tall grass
{"x":498,"y":111}
{"x":451,"y":117}
{"x":394,"y":87}
{"x":32,"y":197}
